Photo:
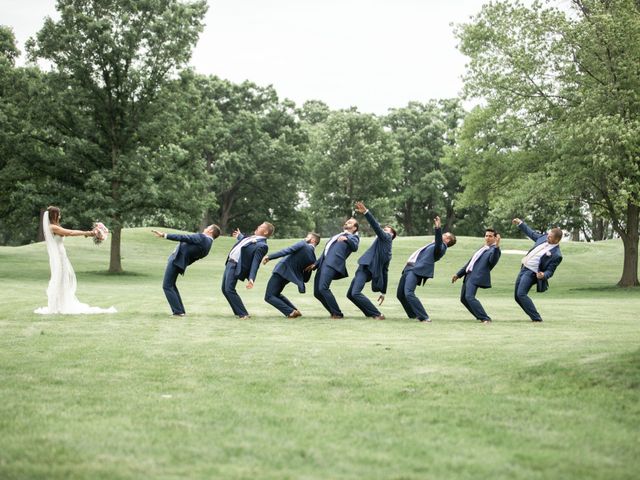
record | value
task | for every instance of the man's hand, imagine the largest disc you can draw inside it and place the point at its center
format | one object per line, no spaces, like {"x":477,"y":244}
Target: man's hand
{"x":516,"y":221}
{"x":157,"y":233}
{"x":342,"y":238}
{"x":265,"y":260}
{"x":540,"y":275}
{"x":380,"y":299}
{"x":249,"y":284}
{"x":310,"y":268}
{"x":454,"y":278}
{"x":436,"y":222}
{"x":235,"y":233}
{"x":497,"y":244}
{"x":360,"y":208}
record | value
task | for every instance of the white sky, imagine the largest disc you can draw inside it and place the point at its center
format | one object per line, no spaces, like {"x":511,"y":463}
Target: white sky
{"x":373,"y":54}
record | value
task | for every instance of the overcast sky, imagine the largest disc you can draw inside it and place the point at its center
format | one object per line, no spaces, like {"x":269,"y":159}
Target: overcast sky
{"x":373,"y":54}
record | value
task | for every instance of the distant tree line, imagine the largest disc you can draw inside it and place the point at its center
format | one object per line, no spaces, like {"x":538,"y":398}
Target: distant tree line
{"x":117,"y":129}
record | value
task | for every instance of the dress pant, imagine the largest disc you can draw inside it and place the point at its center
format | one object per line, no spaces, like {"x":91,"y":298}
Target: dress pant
{"x":469,"y":300}
{"x":171,"y":290}
{"x":406,"y":293}
{"x":229,"y":281}
{"x":362,"y":276}
{"x":526,"y":279}
{"x":273,"y":294}
{"x":321,"y":289}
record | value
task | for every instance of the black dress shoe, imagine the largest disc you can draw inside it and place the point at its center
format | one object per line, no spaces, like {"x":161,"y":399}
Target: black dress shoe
{"x":538,"y":320}
{"x":424,"y":320}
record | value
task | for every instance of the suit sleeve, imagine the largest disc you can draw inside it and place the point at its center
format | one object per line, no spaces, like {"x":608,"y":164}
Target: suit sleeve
{"x":494,"y":256}
{"x":258,"y":255}
{"x":353,"y":241}
{"x":551,"y":268}
{"x":193,"y":238}
{"x":381,"y":234}
{"x":463,"y":271}
{"x":437,"y":248}
{"x":529,"y":232}
{"x":288,"y":251}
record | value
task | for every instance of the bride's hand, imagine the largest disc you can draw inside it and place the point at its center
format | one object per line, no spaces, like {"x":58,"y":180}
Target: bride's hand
{"x":90,"y":233}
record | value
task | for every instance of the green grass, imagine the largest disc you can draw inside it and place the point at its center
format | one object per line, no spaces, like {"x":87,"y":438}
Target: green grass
{"x":140,"y":394}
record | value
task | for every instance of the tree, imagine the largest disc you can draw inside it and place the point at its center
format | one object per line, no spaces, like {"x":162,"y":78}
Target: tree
{"x":352,"y":158}
{"x":427,"y":186}
{"x":571,"y":79}
{"x":115,"y":56}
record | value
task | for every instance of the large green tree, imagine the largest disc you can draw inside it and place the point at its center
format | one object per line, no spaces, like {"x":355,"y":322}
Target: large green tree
{"x":571,"y":79}
{"x":352,"y":157}
{"x":115,"y":55}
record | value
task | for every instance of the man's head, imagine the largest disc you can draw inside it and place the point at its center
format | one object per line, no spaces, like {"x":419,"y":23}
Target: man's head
{"x":390,"y":230}
{"x":554,"y":236}
{"x":449,"y":239}
{"x":265,"y":229}
{"x":490,"y":236}
{"x":312,"y":238}
{"x":212,"y":231}
{"x":351,"y":225}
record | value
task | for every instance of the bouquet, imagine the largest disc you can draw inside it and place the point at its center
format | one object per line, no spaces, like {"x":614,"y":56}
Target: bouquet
{"x":102,"y":233}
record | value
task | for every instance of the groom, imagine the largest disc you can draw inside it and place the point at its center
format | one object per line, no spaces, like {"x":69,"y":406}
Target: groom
{"x":191,"y":248}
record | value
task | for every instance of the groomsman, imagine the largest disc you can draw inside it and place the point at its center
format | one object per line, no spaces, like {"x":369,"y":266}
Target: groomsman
{"x":373,"y":266}
{"x":420,"y":267}
{"x":291,"y":269}
{"x":332,"y":265}
{"x":191,"y":248}
{"x":537,"y":266}
{"x":477,"y":274}
{"x":242,"y":263}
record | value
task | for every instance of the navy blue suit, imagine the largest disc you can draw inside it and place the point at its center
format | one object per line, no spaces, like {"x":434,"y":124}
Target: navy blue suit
{"x":373,"y":266}
{"x":191,"y":248}
{"x":290,"y":269}
{"x":251,"y":255}
{"x":332,"y":266}
{"x":417,"y":274}
{"x":479,"y":277}
{"x":527,"y":278}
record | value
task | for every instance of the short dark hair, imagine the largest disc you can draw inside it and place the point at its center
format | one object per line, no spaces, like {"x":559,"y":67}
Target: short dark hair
{"x":492,"y":230}
{"x":316,"y":237}
{"x":216,"y":230}
{"x":453,"y":239}
{"x":394,"y":234}
{"x":556,"y":232}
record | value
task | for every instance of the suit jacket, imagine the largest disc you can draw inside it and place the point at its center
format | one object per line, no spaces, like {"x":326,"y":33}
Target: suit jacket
{"x":548,"y":262}
{"x":338,"y":253}
{"x":192,"y":247}
{"x":425,"y":264}
{"x":378,"y":256}
{"x":296,"y":258}
{"x":481,"y":273}
{"x":250,"y":257}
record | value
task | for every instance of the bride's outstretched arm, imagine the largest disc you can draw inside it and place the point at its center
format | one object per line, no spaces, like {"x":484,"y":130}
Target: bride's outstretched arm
{"x":65,"y":232}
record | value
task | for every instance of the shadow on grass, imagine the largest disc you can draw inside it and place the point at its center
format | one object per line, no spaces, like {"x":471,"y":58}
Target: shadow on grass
{"x":106,"y":273}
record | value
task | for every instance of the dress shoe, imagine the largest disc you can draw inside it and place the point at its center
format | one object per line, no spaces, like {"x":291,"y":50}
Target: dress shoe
{"x":538,"y":320}
{"x":337,"y":317}
{"x":424,"y":320}
{"x":486,"y":322}
{"x":379,"y":317}
{"x":245,"y":317}
{"x":294,"y":314}
{"x":178,"y":314}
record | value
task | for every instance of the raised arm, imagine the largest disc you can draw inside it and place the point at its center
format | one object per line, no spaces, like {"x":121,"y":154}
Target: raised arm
{"x":285,"y":251}
{"x":524,"y":228}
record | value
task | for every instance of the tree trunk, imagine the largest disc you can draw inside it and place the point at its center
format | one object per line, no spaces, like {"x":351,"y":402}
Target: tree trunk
{"x":115,"y":261}
{"x":630,"y":242}
{"x":40,"y":235}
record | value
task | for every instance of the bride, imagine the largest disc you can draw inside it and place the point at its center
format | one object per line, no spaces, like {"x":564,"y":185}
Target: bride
{"x":61,"y":292}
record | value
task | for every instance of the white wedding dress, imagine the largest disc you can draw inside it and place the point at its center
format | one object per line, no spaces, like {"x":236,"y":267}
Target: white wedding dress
{"x":61,"y":292}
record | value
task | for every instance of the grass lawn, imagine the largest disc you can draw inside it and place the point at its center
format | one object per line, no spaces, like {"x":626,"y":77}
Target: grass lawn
{"x":140,"y":394}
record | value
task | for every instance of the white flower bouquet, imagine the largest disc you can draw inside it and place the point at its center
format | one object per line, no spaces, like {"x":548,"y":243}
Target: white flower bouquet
{"x":101,"y":231}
